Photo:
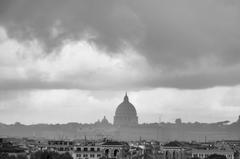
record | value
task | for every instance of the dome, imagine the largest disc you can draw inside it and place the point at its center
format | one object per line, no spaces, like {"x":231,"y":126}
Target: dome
{"x":126,"y":108}
{"x":126,"y":114}
{"x":104,"y":120}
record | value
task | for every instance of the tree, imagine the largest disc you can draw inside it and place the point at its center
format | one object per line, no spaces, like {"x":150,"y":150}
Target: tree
{"x":6,"y":156}
{"x":216,"y":156}
{"x":50,"y":155}
{"x":65,"y":156}
{"x":195,"y":157}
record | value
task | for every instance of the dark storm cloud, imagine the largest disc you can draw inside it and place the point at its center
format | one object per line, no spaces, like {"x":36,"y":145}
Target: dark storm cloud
{"x":171,"y":35}
{"x":36,"y":19}
{"x":200,"y":80}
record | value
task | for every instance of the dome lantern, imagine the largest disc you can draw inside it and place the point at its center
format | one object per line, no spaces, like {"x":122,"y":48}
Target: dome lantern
{"x":125,"y":98}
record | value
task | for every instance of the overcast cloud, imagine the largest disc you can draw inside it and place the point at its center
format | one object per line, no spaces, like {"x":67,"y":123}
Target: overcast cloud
{"x":109,"y":45}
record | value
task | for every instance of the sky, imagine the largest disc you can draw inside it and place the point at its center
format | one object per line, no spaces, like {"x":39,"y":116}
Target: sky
{"x":72,"y":61}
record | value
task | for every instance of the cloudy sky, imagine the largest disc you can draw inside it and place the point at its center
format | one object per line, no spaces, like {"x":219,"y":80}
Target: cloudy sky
{"x":72,"y":61}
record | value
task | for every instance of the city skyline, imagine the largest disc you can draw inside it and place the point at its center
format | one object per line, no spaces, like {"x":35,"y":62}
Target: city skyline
{"x":155,"y":119}
{"x":72,"y":61}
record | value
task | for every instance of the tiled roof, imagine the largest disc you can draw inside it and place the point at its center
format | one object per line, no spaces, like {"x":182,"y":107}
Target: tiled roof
{"x":174,"y":144}
{"x":212,"y":151}
{"x":112,"y":143}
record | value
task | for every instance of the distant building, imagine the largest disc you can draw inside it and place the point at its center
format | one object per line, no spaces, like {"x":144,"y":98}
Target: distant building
{"x":60,"y":146}
{"x":126,"y":114}
{"x":202,"y":154}
{"x":87,"y":151}
{"x":108,"y":149}
{"x":233,"y":142}
{"x":103,"y":123}
{"x":7,"y":147}
{"x":238,"y":121}
{"x":137,"y":151}
{"x":173,"y":150}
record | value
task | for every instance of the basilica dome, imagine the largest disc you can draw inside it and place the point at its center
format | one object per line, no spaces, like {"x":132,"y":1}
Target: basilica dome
{"x":126,"y":108}
{"x":125,"y":114}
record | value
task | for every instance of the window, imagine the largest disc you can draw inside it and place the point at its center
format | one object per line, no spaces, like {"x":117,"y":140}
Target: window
{"x":85,"y":155}
{"x":85,"y":149}
{"x":99,"y":155}
{"x":92,"y":155}
{"x":106,"y":152}
{"x":115,"y":153}
{"x":92,"y":149}
{"x":78,"y":149}
{"x":98,"y":149}
{"x":79,"y":155}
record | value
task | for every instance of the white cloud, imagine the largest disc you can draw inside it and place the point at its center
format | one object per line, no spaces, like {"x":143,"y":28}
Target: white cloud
{"x":61,"y":106}
{"x":205,"y":105}
{"x":76,"y":64}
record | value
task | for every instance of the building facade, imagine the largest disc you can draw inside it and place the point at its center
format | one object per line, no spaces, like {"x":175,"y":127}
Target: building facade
{"x":202,"y":154}
{"x":87,"y":152}
{"x":171,"y":152}
{"x":60,"y":146}
{"x":108,"y":149}
{"x":114,"y":150}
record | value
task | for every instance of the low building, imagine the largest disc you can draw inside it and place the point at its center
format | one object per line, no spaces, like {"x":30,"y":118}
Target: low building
{"x":173,"y":150}
{"x":107,"y":149}
{"x":136,"y":152}
{"x":7,"y":147}
{"x":115,"y":149}
{"x":232,"y":142}
{"x":87,"y":151}
{"x":60,"y":146}
{"x":202,"y":154}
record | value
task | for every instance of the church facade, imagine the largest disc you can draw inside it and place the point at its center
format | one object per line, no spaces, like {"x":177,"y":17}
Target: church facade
{"x":126,"y":114}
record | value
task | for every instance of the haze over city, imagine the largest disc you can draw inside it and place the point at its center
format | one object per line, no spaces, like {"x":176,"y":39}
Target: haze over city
{"x":72,"y":61}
